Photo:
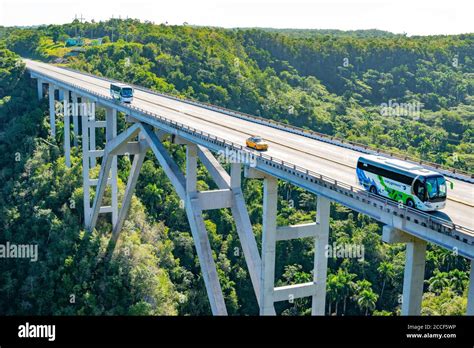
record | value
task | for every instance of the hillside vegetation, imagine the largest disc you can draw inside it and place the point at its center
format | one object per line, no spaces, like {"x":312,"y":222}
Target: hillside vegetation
{"x":330,"y":82}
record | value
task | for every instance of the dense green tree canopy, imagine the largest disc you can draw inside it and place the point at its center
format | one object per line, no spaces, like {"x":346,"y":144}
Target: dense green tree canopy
{"x":332,"y":82}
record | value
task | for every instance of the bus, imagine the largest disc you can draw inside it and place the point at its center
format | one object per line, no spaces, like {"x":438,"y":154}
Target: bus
{"x":121,"y":92}
{"x":404,"y":182}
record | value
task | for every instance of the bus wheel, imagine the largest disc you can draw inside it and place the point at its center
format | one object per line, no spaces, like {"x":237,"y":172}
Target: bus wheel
{"x":410,"y":203}
{"x":373,"y":190}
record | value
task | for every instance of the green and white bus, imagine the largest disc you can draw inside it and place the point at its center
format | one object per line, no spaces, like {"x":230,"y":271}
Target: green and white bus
{"x":121,"y":92}
{"x":404,"y":182}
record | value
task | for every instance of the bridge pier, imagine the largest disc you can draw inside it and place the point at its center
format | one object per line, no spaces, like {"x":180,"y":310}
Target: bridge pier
{"x":270,"y":200}
{"x":87,"y":182}
{"x":39,"y":85}
{"x":319,"y":230}
{"x":67,"y":129}
{"x":224,"y":181}
{"x":414,"y":275}
{"x":203,"y":247}
{"x":244,"y":228}
{"x":470,"y":292}
{"x":108,"y":166}
{"x":61,"y":94}
{"x":111,"y":133}
{"x":52,"y":109}
{"x":92,"y":130}
{"x":320,"y":259}
{"x":138,"y":158}
{"x":195,"y":201}
{"x":75,"y":117}
{"x":115,"y":146}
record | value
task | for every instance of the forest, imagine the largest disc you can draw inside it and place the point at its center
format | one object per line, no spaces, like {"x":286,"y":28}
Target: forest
{"x":332,"y":82}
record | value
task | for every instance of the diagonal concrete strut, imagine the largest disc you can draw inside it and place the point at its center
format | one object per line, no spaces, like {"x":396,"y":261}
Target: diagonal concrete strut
{"x":186,"y":189}
{"x":239,"y":212}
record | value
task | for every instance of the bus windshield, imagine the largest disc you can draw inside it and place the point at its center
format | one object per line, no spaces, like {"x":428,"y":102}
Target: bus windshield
{"x":436,"y":187}
{"x":127,"y":92}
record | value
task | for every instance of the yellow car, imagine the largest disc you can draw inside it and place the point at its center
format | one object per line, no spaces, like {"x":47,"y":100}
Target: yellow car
{"x":257,"y":143}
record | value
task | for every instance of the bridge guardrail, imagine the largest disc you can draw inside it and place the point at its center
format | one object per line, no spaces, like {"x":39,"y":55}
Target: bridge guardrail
{"x":424,"y":219}
{"x":448,"y":171}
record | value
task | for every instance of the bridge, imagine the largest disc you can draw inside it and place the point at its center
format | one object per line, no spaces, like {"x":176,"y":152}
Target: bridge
{"x":320,"y":164}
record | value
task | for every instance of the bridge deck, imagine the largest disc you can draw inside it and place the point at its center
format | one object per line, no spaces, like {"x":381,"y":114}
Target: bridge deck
{"x":328,"y":159}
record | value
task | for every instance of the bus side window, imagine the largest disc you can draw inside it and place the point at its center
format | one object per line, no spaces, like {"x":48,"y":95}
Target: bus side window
{"x":419,"y":189}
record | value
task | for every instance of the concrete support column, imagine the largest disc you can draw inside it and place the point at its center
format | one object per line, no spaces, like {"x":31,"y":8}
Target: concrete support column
{"x":235,"y":175}
{"x":75,"y":117}
{"x":110,"y":133}
{"x":267,"y":282}
{"x":61,"y":94}
{"x":414,"y":277}
{"x":320,"y":260}
{"x":191,"y":167}
{"x":40,"y":88}
{"x":67,"y":130}
{"x":85,"y":169}
{"x":52,"y":111}
{"x":470,"y":292}
{"x":92,"y":131}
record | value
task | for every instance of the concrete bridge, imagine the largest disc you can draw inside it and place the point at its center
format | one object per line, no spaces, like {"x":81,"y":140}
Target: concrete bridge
{"x":317,"y":163}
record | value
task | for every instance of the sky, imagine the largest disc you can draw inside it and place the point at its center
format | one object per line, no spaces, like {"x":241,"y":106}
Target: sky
{"x":414,"y":17}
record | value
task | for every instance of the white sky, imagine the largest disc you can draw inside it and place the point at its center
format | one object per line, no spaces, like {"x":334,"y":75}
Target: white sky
{"x":414,"y":17}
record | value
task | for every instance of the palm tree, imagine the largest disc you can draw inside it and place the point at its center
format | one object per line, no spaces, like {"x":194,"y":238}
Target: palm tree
{"x":367,"y":299}
{"x":387,"y":272}
{"x":333,"y":291}
{"x":431,"y":257}
{"x":438,"y":281}
{"x":287,"y":188}
{"x":457,"y":280}
{"x":445,"y":257}
{"x":348,"y":286}
{"x":363,"y":285}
